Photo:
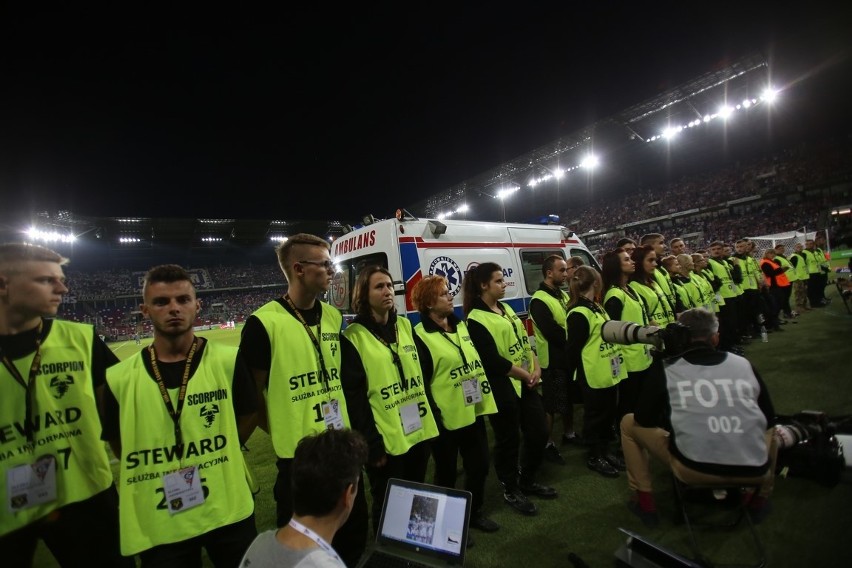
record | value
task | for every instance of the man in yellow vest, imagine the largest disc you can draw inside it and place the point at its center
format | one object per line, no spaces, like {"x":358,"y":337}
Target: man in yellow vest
{"x":792,"y":278}
{"x":661,"y":276}
{"x":177,"y":414}
{"x":292,"y":346}
{"x":549,"y":312}
{"x":55,"y":480}
{"x":800,"y":285}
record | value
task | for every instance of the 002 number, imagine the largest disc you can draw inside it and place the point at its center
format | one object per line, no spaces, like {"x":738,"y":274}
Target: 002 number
{"x":725,"y":424}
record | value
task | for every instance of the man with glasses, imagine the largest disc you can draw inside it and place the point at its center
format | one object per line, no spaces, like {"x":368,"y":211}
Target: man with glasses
{"x":292,"y":346}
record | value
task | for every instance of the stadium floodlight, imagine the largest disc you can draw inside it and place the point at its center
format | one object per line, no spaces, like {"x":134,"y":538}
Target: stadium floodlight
{"x":506,"y":192}
{"x":440,"y":216}
{"x":590,"y":162}
{"x":669,"y":133}
{"x":278,"y":238}
{"x":36,"y":234}
{"x":533,"y":182}
{"x":211,"y":239}
{"x":216,"y":221}
{"x":725,"y":111}
{"x":707,"y":118}
{"x":769,"y":95}
{"x":746,"y":103}
{"x":558,"y":173}
{"x":129,"y":240}
{"x":463,"y":208}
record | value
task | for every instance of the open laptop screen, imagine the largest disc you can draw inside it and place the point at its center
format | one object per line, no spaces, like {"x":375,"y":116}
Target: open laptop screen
{"x":426,"y":518}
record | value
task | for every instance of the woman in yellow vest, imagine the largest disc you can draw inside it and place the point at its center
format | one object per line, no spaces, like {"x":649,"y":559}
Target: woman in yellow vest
{"x":513,"y":373}
{"x":384,"y":387}
{"x":458,"y":390}
{"x":643,"y":283}
{"x":622,"y":303}
{"x":705,"y":287}
{"x":598,"y":365}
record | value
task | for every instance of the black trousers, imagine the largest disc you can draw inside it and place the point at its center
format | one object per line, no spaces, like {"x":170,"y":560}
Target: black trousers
{"x":79,"y":534}
{"x":472,"y":443}
{"x":728,"y":324}
{"x":517,"y":416}
{"x":629,"y":389}
{"x":600,"y":409}
{"x":225,"y":546}
{"x":410,"y":466}
{"x":351,"y":540}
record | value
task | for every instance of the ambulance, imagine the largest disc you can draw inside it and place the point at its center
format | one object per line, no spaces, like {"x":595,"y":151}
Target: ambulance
{"x":412,"y":248}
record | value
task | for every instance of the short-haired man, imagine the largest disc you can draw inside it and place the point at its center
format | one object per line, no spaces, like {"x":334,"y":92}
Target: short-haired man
{"x":792,"y":278}
{"x":724,"y":274}
{"x":177,"y":413}
{"x":677,"y":246}
{"x":326,"y":470}
{"x":292,"y":346}
{"x":549,"y":313}
{"x":708,"y":418}
{"x":800,"y":286}
{"x":55,"y":480}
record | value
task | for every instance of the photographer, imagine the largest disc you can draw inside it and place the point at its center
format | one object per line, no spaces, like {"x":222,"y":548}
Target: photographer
{"x":707,"y":417}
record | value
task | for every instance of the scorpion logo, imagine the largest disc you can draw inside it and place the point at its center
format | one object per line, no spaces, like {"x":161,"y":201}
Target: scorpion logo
{"x":209,"y":413}
{"x":61,"y":385}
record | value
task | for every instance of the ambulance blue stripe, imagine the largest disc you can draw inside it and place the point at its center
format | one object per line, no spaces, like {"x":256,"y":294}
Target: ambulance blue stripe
{"x":410,"y":260}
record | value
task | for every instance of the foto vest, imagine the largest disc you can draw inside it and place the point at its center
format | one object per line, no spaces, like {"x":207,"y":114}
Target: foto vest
{"x":637,"y":357}
{"x":789,"y":269}
{"x":387,"y":392}
{"x":65,"y":422}
{"x":603,"y":362}
{"x":559,"y":309}
{"x":509,"y":336}
{"x":297,"y":387}
{"x":721,"y":271}
{"x":450,"y":369}
{"x":715,"y":418}
{"x":656,"y":306}
{"x":210,"y":441}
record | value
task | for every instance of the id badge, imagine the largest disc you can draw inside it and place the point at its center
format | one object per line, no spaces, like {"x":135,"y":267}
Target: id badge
{"x":331,"y":415}
{"x":472,"y":393}
{"x":410,"y":417}
{"x":525,"y":364}
{"x":183,"y":489}
{"x":615,"y":365}
{"x":31,"y":484}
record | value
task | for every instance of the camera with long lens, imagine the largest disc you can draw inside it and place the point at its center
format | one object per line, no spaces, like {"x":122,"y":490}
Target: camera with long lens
{"x":669,"y":341}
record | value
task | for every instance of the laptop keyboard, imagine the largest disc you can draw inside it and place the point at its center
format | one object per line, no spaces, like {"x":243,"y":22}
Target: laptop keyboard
{"x":382,"y":560}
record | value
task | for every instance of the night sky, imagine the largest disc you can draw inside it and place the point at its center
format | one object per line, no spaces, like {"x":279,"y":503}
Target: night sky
{"x":333,"y":113}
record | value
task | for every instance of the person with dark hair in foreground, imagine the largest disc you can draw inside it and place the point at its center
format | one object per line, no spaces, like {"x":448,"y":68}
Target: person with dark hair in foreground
{"x":326,"y":470}
{"x":708,"y":417}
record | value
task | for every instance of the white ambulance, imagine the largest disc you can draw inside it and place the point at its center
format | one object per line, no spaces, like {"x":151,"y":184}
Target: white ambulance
{"x":413,"y":248}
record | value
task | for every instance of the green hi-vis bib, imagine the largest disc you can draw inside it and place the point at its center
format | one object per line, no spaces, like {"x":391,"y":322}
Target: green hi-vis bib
{"x":65,"y":425}
{"x":510,"y":336}
{"x":722,"y":272}
{"x":705,"y":290}
{"x":559,"y":309}
{"x":656,"y":305}
{"x":789,"y":269}
{"x":603,"y":362}
{"x":210,"y":442}
{"x":802,"y":267}
{"x":664,"y":282}
{"x":449,"y":373}
{"x":297,"y":386}
{"x":637,"y":357}
{"x":812,"y":259}
{"x":388,"y":393}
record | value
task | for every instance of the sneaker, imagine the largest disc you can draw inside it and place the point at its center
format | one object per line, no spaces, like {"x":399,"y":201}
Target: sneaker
{"x":519,"y":501}
{"x":572,"y":439}
{"x":616,"y":462}
{"x":601,"y":466}
{"x":649,"y":518}
{"x":552,"y":454}
{"x":538,"y":490}
{"x":483,"y":523}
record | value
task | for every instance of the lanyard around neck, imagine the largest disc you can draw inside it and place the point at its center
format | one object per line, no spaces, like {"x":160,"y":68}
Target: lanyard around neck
{"x":174,"y":413}
{"x":394,"y":355}
{"x":29,"y":383}
{"x":320,"y":541}
{"x":314,"y":340}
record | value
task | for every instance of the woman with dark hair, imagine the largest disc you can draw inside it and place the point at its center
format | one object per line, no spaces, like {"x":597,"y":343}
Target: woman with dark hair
{"x":513,"y":373}
{"x":458,"y":390}
{"x":598,"y":365}
{"x":643,"y":283}
{"x":383,"y":385}
{"x":622,"y":303}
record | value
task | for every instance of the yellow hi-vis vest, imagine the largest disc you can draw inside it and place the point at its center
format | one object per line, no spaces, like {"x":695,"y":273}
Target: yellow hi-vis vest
{"x":802,"y":266}
{"x":210,"y":441}
{"x":789,"y":269}
{"x":707,"y":298}
{"x":664,"y":283}
{"x":297,"y":388}
{"x":655,"y":302}
{"x":450,"y":370}
{"x":603,"y":362}
{"x":387,"y":392}
{"x":510,"y":337}
{"x":65,"y":423}
{"x":559,"y":309}
{"x":751,"y":273}
{"x":723,"y":272}
{"x":637,"y":357}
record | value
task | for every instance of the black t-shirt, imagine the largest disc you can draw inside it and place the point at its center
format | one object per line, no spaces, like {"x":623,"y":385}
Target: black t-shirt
{"x":243,"y":389}
{"x":24,"y":344}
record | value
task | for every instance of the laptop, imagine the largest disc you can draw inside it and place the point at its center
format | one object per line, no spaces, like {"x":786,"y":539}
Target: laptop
{"x":421,"y":524}
{"x":640,"y":552}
